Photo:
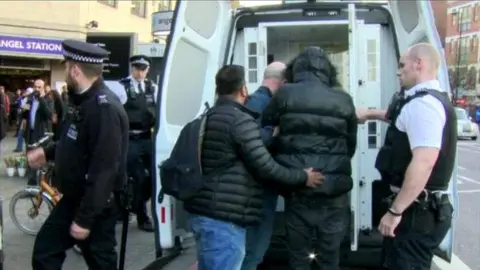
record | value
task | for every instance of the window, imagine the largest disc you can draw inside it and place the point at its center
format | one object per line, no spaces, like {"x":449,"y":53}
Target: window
{"x":252,"y":62}
{"x":464,"y":19}
{"x":372,"y":57}
{"x":461,"y":114}
{"x":112,"y":3}
{"x":165,"y":5}
{"x":139,"y":8}
{"x":454,"y":17}
{"x":474,"y":44}
{"x":464,"y":50}
{"x":476,"y":12}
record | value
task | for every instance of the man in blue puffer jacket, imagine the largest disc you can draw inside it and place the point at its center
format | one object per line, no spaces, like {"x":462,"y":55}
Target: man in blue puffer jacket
{"x":258,"y":237}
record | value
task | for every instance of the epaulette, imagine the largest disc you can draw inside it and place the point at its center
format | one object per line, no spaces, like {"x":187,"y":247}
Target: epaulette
{"x":102,"y":99}
{"x":125,"y":81}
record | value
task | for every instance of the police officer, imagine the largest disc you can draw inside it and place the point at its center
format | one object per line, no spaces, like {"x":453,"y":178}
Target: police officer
{"x":90,"y":164}
{"x":140,"y":108}
{"x":417,"y":161}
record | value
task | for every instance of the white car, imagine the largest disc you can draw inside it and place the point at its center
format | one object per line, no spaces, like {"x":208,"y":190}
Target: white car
{"x":465,"y":127}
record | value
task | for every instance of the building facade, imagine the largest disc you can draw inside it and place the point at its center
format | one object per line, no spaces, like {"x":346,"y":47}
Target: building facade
{"x":461,"y":50}
{"x":30,"y":43}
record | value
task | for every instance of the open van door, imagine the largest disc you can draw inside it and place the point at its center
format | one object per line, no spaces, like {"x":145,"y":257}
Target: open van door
{"x":414,"y":22}
{"x":353,"y":47}
{"x":192,"y":57}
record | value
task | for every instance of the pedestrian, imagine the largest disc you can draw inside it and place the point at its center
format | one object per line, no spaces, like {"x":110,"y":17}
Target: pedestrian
{"x":37,"y":114}
{"x":258,"y":236}
{"x":140,"y":107}
{"x":417,"y":161}
{"x":22,"y":123}
{"x":90,"y":163}
{"x":235,"y":164}
{"x":317,"y":128}
{"x":3,"y":118}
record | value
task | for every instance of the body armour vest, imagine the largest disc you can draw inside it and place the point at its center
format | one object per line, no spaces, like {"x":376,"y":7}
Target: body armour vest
{"x":140,"y":107}
{"x":395,"y":155}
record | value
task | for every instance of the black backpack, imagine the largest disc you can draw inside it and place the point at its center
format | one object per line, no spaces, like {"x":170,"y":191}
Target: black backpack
{"x":181,"y":174}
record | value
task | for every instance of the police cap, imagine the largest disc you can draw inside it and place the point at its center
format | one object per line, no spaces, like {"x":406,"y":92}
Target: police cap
{"x":83,"y":52}
{"x":140,"y":60}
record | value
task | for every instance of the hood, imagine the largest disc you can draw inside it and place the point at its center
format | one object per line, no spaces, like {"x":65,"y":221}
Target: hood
{"x":312,"y":64}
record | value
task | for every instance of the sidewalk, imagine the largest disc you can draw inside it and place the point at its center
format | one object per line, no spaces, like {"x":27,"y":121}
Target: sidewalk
{"x":18,"y":246}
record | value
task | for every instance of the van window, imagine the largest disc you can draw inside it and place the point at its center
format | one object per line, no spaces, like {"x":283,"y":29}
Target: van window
{"x":182,"y":104}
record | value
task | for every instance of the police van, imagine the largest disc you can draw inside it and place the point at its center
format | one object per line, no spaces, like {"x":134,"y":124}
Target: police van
{"x":363,"y":38}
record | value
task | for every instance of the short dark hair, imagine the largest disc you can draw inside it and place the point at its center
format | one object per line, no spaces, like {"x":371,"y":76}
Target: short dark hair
{"x":91,"y":70}
{"x":229,"y":79}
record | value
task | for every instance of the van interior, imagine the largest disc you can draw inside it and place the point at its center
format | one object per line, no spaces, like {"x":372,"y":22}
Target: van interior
{"x":285,"y":42}
{"x":376,"y":70}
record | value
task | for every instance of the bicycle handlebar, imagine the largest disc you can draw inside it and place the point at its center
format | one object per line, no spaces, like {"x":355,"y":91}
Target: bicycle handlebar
{"x":42,"y":141}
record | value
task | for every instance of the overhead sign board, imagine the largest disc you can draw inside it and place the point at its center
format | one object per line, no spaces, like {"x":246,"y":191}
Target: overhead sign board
{"x":162,"y":22}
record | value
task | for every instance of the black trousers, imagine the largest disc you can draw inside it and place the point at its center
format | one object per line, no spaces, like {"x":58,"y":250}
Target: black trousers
{"x":420,"y":231}
{"x":315,"y":228}
{"x":54,"y":239}
{"x":139,"y":160}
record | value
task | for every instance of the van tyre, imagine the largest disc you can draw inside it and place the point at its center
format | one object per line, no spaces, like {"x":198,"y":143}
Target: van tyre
{"x":474,"y":138}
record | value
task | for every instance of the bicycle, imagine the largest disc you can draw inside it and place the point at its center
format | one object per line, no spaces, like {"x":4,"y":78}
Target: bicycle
{"x":43,"y":193}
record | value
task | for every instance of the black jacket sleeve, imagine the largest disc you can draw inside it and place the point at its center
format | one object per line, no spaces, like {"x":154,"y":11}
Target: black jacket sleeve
{"x":49,"y":150}
{"x":275,"y":108}
{"x":352,"y":128}
{"x":256,"y":157}
{"x":105,"y":148}
{"x":44,"y":108}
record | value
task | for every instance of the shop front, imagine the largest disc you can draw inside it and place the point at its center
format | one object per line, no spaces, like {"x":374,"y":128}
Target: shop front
{"x":24,"y":59}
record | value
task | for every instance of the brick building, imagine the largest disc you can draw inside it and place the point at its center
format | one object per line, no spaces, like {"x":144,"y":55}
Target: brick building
{"x":462,"y":47}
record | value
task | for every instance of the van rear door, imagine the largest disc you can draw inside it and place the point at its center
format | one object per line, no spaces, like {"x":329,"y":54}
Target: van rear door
{"x":414,"y":23}
{"x":193,"y":55}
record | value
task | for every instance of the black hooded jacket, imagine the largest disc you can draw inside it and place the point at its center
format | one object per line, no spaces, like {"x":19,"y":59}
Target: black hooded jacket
{"x":318,"y":124}
{"x":232,"y":153}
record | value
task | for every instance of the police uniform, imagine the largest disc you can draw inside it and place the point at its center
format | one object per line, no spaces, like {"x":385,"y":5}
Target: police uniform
{"x":90,"y":165}
{"x":424,"y":117}
{"x":140,"y":108}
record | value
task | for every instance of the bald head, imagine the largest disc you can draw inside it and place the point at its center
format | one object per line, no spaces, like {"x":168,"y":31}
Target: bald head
{"x":274,"y":71}
{"x":39,"y":86}
{"x":273,"y":76}
{"x":427,"y":53}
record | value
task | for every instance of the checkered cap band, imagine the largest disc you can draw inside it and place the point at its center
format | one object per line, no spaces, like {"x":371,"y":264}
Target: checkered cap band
{"x":82,"y":58}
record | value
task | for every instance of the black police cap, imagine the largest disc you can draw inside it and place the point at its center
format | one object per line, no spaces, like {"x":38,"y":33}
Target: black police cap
{"x":140,"y":60}
{"x":83,"y":52}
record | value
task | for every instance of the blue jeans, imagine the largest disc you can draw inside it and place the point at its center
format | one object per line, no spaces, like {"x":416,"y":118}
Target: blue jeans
{"x":20,"y":140}
{"x":220,"y":245}
{"x":258,"y":237}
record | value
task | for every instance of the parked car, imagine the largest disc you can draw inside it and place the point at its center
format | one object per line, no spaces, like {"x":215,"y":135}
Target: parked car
{"x":465,"y":126}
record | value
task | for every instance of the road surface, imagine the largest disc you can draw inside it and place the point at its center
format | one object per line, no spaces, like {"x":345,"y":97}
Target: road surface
{"x":18,"y":246}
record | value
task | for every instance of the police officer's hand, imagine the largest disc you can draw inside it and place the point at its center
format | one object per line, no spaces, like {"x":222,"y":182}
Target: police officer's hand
{"x":36,"y":158}
{"x":362,"y":115}
{"x":388,"y":224}
{"x":78,"y":232}
{"x":314,"y":178}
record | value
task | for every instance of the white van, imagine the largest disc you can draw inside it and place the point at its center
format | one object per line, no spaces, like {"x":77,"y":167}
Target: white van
{"x":364,"y":39}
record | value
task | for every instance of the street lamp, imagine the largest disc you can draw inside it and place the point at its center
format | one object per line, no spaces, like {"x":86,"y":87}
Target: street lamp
{"x":459,"y":15}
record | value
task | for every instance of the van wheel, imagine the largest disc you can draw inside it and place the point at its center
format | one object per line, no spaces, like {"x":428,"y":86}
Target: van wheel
{"x":474,"y":138}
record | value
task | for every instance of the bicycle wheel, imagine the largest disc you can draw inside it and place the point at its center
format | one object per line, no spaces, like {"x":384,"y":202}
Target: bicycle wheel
{"x":30,"y":211}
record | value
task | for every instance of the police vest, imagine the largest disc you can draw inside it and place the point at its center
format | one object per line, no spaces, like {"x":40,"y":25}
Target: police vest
{"x":140,"y":107}
{"x":395,"y":155}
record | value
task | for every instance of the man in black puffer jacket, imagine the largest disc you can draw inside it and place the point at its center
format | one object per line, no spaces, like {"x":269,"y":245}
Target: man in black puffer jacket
{"x":232,"y":153}
{"x":317,"y":128}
